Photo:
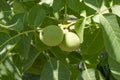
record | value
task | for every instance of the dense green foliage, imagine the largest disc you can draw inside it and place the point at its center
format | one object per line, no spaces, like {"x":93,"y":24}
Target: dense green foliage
{"x":23,"y":54}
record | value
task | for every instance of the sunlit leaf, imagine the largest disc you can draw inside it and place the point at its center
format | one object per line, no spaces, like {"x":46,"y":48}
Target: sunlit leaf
{"x":80,"y":25}
{"x":116,"y":10}
{"x":114,"y":68}
{"x":89,"y":74}
{"x":111,"y":34}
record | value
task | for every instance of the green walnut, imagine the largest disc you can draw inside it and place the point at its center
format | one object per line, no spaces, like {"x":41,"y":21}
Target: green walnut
{"x":70,"y":42}
{"x":51,"y":35}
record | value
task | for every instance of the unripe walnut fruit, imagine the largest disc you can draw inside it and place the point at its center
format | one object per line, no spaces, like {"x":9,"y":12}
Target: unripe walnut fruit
{"x":51,"y":35}
{"x":70,"y":42}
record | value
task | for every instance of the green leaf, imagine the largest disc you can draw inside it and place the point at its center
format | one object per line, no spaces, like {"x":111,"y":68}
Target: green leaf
{"x":94,"y":4}
{"x":57,"y":5}
{"x":55,"y":70}
{"x":5,"y":46}
{"x":38,"y":44}
{"x":73,"y":4}
{"x":23,"y":64}
{"x":111,"y":35}
{"x":5,"y":8}
{"x":32,"y":55}
{"x":114,"y":68}
{"x":79,"y":28}
{"x":100,"y":76}
{"x":89,"y":74}
{"x":79,"y":77}
{"x":46,"y":3}
{"x":17,"y":21}
{"x":92,"y":74}
{"x":116,"y":2}
{"x":116,"y":10}
{"x":38,"y":64}
{"x":23,"y":46}
{"x":49,"y":21}
{"x":62,"y":56}
{"x":9,"y":71}
{"x":36,"y":16}
{"x":4,"y":29}
{"x":27,"y":0}
{"x":107,"y":3}
{"x":91,"y":41}
{"x":74,"y":58}
{"x":18,"y":7}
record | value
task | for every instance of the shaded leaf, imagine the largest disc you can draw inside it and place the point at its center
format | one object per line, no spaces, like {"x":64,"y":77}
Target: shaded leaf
{"x":114,"y":68}
{"x":5,"y":8}
{"x":23,"y":46}
{"x":36,"y":16}
{"x":38,"y":44}
{"x":32,"y":55}
{"x":100,"y":76}
{"x":57,"y":5}
{"x":18,"y":7}
{"x":62,"y":56}
{"x":17,"y":22}
{"x":5,"y":46}
{"x":49,"y":21}
{"x":74,"y":58}
{"x":94,"y":4}
{"x":9,"y":71}
{"x":23,"y":64}
{"x":73,"y":4}
{"x":91,"y":41}
{"x":27,"y":0}
{"x":116,"y":1}
{"x":38,"y":64}
{"x":79,"y":77}
{"x":55,"y":70}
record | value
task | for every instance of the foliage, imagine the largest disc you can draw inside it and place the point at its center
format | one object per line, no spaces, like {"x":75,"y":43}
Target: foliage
{"x":22,"y":54}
